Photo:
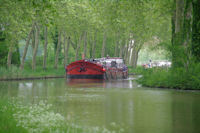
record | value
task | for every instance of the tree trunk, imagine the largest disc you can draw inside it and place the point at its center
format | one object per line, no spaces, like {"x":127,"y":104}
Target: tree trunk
{"x":9,"y":59}
{"x":90,"y":43}
{"x":104,"y":44}
{"x":117,"y":45}
{"x":66,"y":50}
{"x":78,"y":47}
{"x":57,"y":50}
{"x":74,"y":44}
{"x":85,"y":45}
{"x":37,"y":34}
{"x":177,"y":24}
{"x":33,"y":39}
{"x":121,"y":51}
{"x":65,"y":60}
{"x":134,"y":57}
{"x":130,"y":52}
{"x":26,"y":48}
{"x":182,"y":33}
{"x":45,"y":47}
{"x":196,"y":31}
{"x":126,"y":52}
{"x":94,"y":45}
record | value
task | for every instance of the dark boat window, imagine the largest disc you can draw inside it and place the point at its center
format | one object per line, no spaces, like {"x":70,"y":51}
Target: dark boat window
{"x":113,"y":64}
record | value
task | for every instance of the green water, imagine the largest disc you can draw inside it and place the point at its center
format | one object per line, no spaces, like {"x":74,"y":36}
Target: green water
{"x":112,"y":104}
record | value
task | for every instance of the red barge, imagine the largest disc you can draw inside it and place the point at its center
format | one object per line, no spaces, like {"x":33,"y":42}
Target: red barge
{"x":102,"y":68}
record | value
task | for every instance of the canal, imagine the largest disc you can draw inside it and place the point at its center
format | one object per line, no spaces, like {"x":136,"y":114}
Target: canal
{"x":113,"y":104}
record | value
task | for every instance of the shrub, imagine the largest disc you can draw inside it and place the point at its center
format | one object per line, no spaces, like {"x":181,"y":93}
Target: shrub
{"x":178,"y":78}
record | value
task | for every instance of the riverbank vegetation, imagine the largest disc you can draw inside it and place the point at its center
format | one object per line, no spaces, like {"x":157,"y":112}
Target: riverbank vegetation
{"x":38,"y":36}
{"x":184,"y":48}
{"x":176,"y":78}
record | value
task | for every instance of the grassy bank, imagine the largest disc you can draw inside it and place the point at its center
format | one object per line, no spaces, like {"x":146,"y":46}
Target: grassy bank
{"x":179,"y":78}
{"x":15,"y":72}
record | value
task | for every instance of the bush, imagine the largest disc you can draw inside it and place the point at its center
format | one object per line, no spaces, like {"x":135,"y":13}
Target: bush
{"x":137,"y":70}
{"x":178,"y":78}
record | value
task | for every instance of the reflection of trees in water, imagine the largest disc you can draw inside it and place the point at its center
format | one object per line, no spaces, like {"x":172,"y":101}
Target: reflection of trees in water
{"x":8,"y":89}
{"x":140,"y":111}
{"x":186,"y":113}
{"x":154,"y":111}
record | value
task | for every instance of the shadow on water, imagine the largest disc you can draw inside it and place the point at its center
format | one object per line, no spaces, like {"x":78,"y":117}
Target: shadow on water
{"x":107,"y":103}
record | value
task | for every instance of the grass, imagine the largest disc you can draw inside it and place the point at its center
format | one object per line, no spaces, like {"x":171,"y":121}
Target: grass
{"x":177,"y":78}
{"x":15,"y":72}
{"x":7,"y":123}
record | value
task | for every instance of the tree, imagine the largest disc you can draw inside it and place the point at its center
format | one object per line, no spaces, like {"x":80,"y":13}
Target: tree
{"x":37,"y":34}
{"x":184,"y":36}
{"x":26,"y":47}
{"x":57,"y":50}
{"x":45,"y":47}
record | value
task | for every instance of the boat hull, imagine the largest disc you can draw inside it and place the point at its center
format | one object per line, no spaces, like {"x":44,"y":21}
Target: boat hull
{"x":85,"y":76}
{"x":84,"y":70}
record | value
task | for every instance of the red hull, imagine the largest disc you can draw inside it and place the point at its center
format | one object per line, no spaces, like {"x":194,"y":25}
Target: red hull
{"x":85,"y":70}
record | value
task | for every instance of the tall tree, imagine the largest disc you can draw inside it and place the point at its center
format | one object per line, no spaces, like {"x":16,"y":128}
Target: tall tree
{"x":57,"y":50}
{"x":45,"y":47}
{"x":196,"y":30}
{"x":85,"y":45}
{"x":94,"y":45}
{"x":104,"y":45}
{"x":184,"y":37}
{"x":37,"y":35}
{"x":78,"y":46}
{"x":67,"y":50}
{"x":26,"y":47}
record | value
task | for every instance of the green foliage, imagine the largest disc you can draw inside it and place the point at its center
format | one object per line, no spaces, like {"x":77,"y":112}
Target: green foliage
{"x":4,"y":54}
{"x":178,"y":78}
{"x":119,"y":19}
{"x":196,"y":31}
{"x":7,"y":122}
{"x":137,"y":70}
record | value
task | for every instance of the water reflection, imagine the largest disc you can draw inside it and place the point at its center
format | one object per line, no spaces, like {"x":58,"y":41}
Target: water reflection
{"x":85,"y":83}
{"x":100,"y":103}
{"x":94,"y":83}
